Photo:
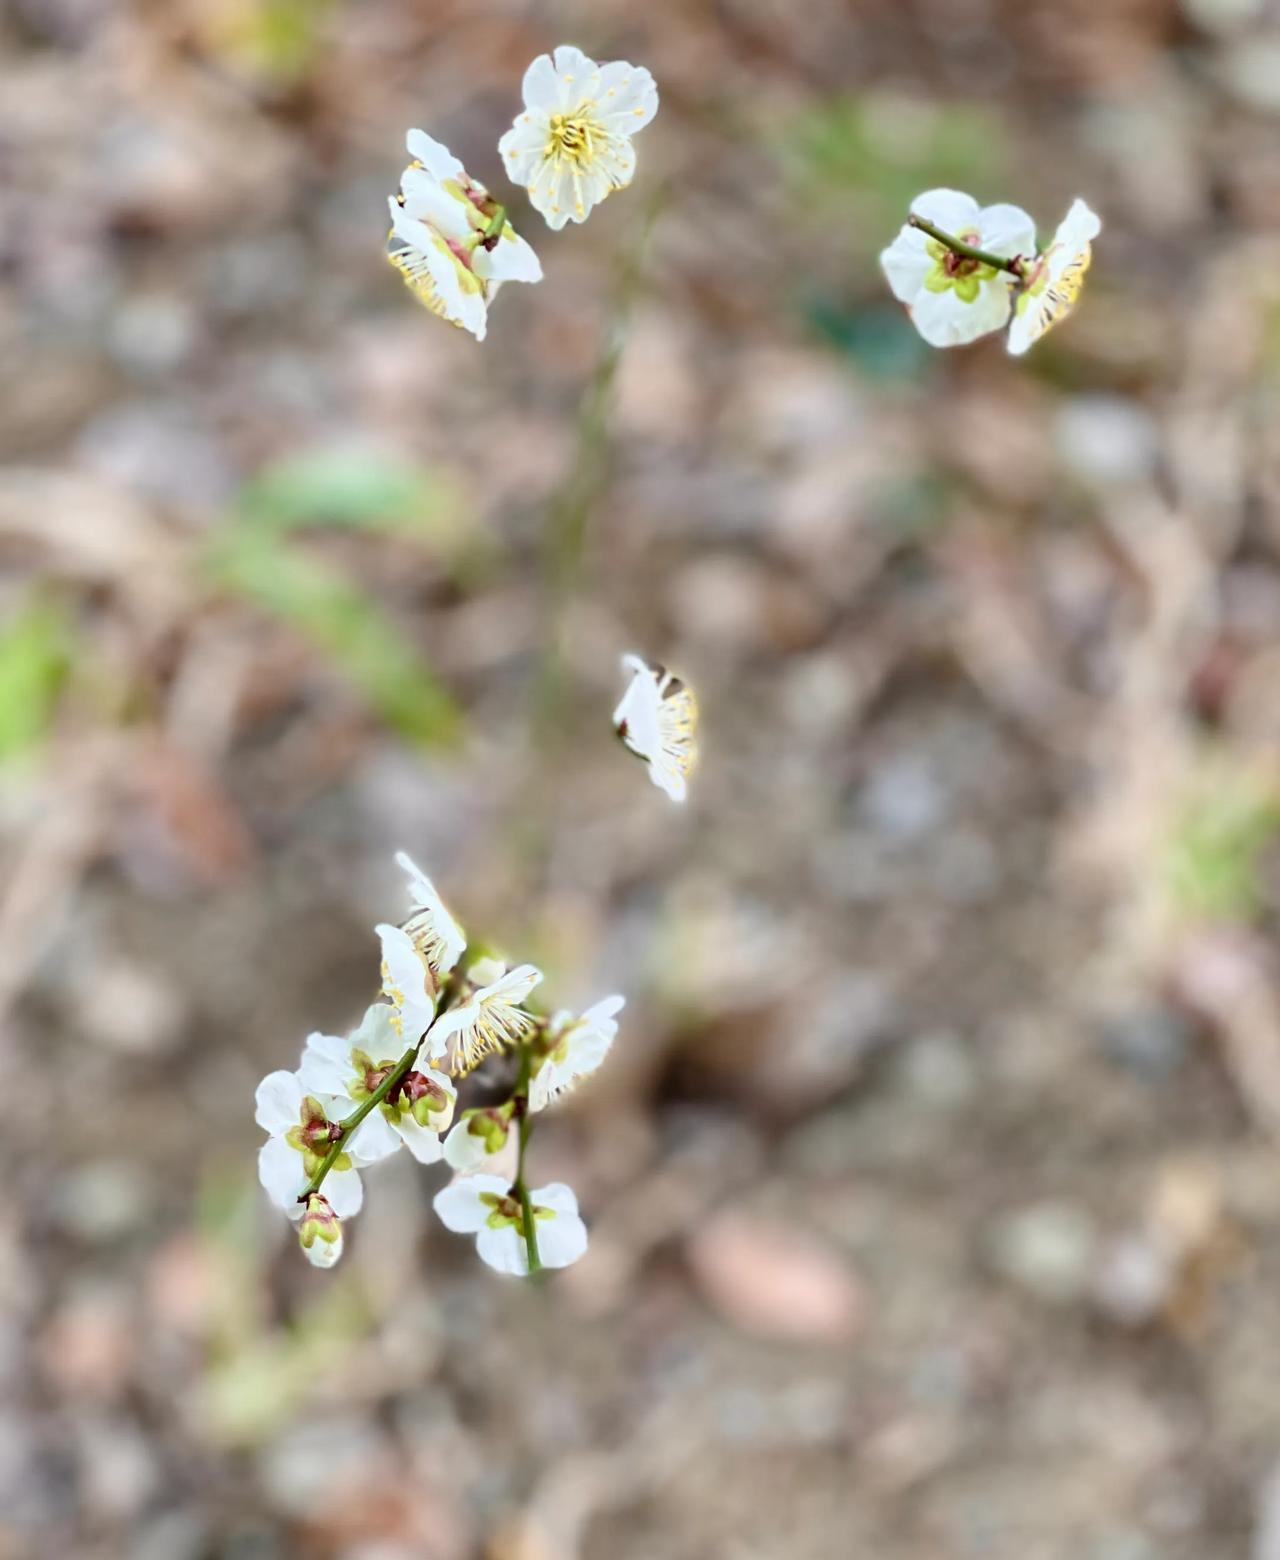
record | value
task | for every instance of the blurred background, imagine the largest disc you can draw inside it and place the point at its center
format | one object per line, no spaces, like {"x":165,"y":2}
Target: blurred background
{"x":934,"y":1181}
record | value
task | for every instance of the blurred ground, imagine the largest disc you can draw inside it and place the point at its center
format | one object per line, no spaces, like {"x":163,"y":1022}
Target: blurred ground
{"x":934,"y":1183}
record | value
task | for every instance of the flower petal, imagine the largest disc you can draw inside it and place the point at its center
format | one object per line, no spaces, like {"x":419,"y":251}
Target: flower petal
{"x":459,"y":1207}
{"x":579,"y":75}
{"x":427,"y":200}
{"x":627,"y":97}
{"x":1007,"y":230}
{"x":562,"y":1240}
{"x":421,"y":1142}
{"x":945,"y":320}
{"x":374,"y":1139}
{"x":503,"y":1250}
{"x":557,"y":1195}
{"x":541,"y":86}
{"x":511,"y":260}
{"x":326,"y":1065}
{"x":281,"y":1172}
{"x":906,"y":263}
{"x":434,"y":156}
{"x":951,"y":210}
{"x":345,"y":1192}
{"x":463,"y":1150}
{"x":277,"y":1102}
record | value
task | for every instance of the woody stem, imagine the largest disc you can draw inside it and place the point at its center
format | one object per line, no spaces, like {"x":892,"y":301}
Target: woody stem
{"x":968,"y":251}
{"x":519,"y":1186}
{"x":387,"y":1087}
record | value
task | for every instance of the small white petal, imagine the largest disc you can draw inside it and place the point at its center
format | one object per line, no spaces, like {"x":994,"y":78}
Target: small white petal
{"x":562,"y":1240}
{"x":541,"y":86}
{"x":503,"y":1250}
{"x":511,"y":260}
{"x":427,"y":201}
{"x":556,"y":1195}
{"x":464,"y":1150}
{"x":628,"y":97}
{"x":1007,"y":230}
{"x":281,"y":1173}
{"x":906,"y":263}
{"x":278,"y":1102}
{"x":326,"y":1066}
{"x":421,"y":1142}
{"x":435,"y":157}
{"x":344,"y":1191}
{"x":324,"y":1253}
{"x":945,"y":320}
{"x":579,"y":74}
{"x":951,"y":210}
{"x":459,"y":1206}
{"x":405,"y":983}
{"x":374,"y":1139}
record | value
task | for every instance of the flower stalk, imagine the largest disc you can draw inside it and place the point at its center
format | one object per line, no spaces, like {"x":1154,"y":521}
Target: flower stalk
{"x":1015,"y":267}
{"x":348,"y":1124}
{"x":520,"y":1187}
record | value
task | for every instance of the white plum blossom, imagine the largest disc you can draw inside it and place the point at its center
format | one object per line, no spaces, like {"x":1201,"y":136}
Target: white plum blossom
{"x":320,"y":1232}
{"x":657,"y":718}
{"x":1053,"y":281}
{"x":571,"y":147}
{"x":440,"y":243}
{"x":301,"y":1128}
{"x":485,"y":1206}
{"x":572,"y":1050}
{"x":952,"y":300}
{"x":420,"y":1109}
{"x":490,"y":1020}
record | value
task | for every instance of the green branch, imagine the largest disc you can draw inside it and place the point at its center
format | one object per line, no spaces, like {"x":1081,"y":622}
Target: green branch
{"x":519,"y":1186}
{"x":968,"y":251}
{"x":387,"y":1087}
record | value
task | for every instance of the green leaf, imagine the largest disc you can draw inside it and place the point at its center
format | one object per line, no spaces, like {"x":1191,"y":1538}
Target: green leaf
{"x":353,"y":490}
{"x":35,"y":657}
{"x":344,"y":622}
{"x":1212,"y":861}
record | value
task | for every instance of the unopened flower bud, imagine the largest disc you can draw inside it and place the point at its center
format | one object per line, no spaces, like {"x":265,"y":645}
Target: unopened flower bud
{"x":320,"y":1232}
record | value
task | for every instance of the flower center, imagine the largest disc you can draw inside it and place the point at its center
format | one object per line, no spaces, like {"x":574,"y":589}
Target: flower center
{"x":573,"y":136}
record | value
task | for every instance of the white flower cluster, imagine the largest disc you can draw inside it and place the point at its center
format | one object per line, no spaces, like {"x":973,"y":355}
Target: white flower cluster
{"x":389,"y":1085}
{"x":570,"y":148}
{"x":954,"y":297}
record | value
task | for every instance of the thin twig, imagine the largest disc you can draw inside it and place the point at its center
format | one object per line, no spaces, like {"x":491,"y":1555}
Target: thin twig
{"x":967,"y":251}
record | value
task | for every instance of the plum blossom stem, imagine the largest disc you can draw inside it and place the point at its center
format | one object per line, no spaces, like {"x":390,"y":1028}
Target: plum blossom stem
{"x":968,"y":251}
{"x":387,"y":1087}
{"x":519,"y":1186}
{"x":497,"y":222}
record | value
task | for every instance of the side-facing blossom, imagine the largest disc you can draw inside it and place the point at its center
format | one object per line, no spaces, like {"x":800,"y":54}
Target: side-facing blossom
{"x":492,"y":1018}
{"x":417,"y":956}
{"x":953,"y":300}
{"x":571,"y":147}
{"x":355,"y":1068}
{"x":407,"y":984}
{"x":484,"y":1206}
{"x":1053,"y":281}
{"x":572,"y":1049}
{"x":440,"y":243}
{"x":301,"y":1128}
{"x":433,"y":931}
{"x":657,"y":718}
